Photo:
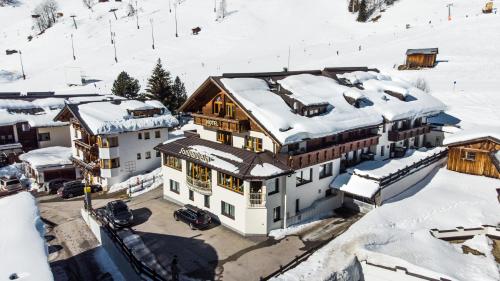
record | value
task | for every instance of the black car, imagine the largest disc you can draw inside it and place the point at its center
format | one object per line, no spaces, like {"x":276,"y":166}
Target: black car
{"x":118,"y":214}
{"x":75,"y":188}
{"x":195,"y":217}
{"x":53,"y":186}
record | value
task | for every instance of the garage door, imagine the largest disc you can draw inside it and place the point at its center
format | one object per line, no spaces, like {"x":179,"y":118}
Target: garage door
{"x":62,"y":173}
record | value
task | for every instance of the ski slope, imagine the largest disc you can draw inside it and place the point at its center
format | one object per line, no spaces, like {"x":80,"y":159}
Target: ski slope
{"x":256,"y":36}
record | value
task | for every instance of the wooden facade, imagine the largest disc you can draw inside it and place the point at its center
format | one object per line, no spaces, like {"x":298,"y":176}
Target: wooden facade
{"x":421,"y":57}
{"x":475,"y":157}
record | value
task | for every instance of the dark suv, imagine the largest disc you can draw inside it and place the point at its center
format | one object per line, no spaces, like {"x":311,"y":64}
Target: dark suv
{"x":118,"y":214}
{"x":53,"y":185}
{"x":75,"y":188}
{"x":195,"y":217}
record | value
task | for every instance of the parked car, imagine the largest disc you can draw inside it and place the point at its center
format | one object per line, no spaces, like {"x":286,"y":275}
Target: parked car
{"x":9,"y":184}
{"x":53,"y":185}
{"x":195,"y":217}
{"x":75,"y":188}
{"x":118,"y":214}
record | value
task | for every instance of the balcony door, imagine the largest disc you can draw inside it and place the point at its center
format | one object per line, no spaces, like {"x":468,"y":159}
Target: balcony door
{"x":225,"y":137}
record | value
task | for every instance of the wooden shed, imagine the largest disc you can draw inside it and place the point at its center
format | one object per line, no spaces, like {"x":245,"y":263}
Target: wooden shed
{"x":421,"y":57}
{"x":480,"y":156}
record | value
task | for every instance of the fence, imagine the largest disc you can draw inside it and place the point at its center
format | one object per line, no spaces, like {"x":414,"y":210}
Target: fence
{"x":461,"y":232}
{"x":144,"y":184}
{"x":408,"y":169}
{"x":138,"y":266}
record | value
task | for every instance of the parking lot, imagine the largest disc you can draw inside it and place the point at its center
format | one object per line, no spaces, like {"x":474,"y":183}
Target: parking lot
{"x":218,"y":253}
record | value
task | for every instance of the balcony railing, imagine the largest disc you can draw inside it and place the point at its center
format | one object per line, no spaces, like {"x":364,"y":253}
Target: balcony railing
{"x":87,"y":166}
{"x":82,"y":145}
{"x":226,"y":124}
{"x":256,"y":200}
{"x":307,"y":159}
{"x":203,"y":187}
{"x":399,"y":135}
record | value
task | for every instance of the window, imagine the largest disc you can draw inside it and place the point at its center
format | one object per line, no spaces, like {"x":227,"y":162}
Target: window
{"x":274,"y":188}
{"x":107,"y":142}
{"x":139,"y":156}
{"x":158,"y":153}
{"x":382,"y":150}
{"x":43,"y":136}
{"x":25,"y":127}
{"x":224,"y":137}
{"x":139,"y":136}
{"x":146,"y":135}
{"x":229,"y":182}
{"x":110,"y":163}
{"x":230,"y":109}
{"x":277,"y":214}
{"x":174,"y":186}
{"x":206,"y":200}
{"x":303,"y":177}
{"x":217,"y":106}
{"x":199,"y":172}
{"x":157,"y":134}
{"x":297,"y":205}
{"x":148,"y":154}
{"x":253,"y":143}
{"x":469,"y":155}
{"x":172,"y":162}
{"x":191,"y":195}
{"x":325,"y":170}
{"x":227,"y":210}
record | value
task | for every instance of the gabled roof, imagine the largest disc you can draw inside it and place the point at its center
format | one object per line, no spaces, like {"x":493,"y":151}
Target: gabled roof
{"x":425,"y":51}
{"x":234,"y":161}
{"x":476,"y":134}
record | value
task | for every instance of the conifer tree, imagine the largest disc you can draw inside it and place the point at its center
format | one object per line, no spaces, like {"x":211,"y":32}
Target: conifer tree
{"x":179,"y":91}
{"x":126,"y":86}
{"x":363,"y":12}
{"x":160,"y":86}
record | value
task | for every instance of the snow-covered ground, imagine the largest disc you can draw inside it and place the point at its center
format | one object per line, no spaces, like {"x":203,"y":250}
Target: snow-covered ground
{"x":22,"y":245}
{"x":397,"y":233}
{"x":255,"y":36}
{"x":140,"y":183}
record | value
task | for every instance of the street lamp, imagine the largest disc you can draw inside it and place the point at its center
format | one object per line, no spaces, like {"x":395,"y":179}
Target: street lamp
{"x":110,"y":32}
{"x":74,"y":21}
{"x":73,"y":47}
{"x":449,"y":10}
{"x":175,"y":12}
{"x":152,"y":33}
{"x":137,"y":14}
{"x":114,"y":12}
{"x":10,"y":52}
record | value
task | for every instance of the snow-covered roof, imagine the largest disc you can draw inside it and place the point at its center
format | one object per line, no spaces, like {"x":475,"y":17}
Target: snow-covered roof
{"x":23,"y":246}
{"x":478,"y":132}
{"x":288,"y":127}
{"x":108,"y":117}
{"x":356,"y":185}
{"x":16,"y":104}
{"x":49,"y":156}
{"x":41,"y":119}
{"x":52,"y":103}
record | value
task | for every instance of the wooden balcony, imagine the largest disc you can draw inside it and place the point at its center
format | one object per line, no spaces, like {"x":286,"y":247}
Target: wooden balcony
{"x":399,"y":135}
{"x":307,"y":159}
{"x":84,"y":146}
{"x":221,"y":123}
{"x":92,"y":167}
{"x":203,"y":187}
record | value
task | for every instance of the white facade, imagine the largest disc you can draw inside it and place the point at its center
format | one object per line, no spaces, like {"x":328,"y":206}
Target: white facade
{"x":54,"y":136}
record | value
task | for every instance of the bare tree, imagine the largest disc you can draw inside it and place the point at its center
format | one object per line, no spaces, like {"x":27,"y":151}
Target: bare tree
{"x":46,"y":14}
{"x":421,"y":83}
{"x":89,"y":3}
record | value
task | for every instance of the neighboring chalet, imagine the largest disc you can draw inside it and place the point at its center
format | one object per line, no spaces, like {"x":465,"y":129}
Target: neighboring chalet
{"x":45,"y":164}
{"x":266,"y":146}
{"x":416,"y":58}
{"x":114,"y":140}
{"x":475,"y":154}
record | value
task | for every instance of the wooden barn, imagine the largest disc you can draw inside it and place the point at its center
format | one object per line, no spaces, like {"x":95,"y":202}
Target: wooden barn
{"x":478,"y":156}
{"x":421,"y":57}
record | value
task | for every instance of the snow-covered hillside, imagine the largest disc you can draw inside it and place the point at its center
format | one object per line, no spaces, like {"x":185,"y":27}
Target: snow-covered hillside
{"x":255,"y":36}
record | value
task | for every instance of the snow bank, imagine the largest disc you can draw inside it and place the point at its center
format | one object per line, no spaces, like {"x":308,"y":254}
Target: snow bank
{"x":140,"y":182}
{"x":480,"y":243}
{"x":398,"y":233}
{"x":23,"y":247}
{"x":49,"y":156}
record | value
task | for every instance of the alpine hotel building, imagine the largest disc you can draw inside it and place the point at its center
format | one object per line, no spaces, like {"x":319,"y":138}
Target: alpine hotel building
{"x":264,"y":147}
